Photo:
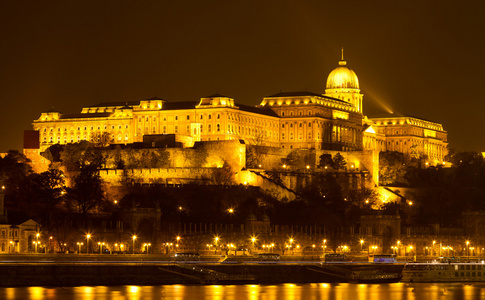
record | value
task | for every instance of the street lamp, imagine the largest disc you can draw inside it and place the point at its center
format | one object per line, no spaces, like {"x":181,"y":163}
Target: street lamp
{"x":79,"y":245}
{"x":37,"y":241}
{"x":434,"y":242}
{"x":467,"y":248}
{"x":361,"y":244}
{"x":88,"y":236}
{"x":216,"y":240}
{"x":253,"y":240}
{"x":134,"y":238}
{"x":146,"y":246}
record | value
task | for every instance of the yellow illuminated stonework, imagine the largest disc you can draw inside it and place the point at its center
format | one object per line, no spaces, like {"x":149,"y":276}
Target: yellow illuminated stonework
{"x":415,"y":137}
{"x":288,"y":120}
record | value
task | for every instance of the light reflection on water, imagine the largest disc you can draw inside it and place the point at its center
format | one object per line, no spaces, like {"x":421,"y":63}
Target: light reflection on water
{"x":394,"y":291}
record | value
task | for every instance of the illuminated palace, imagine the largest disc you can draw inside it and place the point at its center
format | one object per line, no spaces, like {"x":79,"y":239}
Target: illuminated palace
{"x":290,"y":120}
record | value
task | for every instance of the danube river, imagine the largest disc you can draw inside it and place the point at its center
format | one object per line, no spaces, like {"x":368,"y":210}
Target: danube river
{"x":342,"y":291}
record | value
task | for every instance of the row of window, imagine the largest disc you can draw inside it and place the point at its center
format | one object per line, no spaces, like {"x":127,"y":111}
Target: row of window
{"x":300,"y":113}
{"x":154,"y":119}
{"x":10,"y":233}
{"x":84,"y":137}
{"x":300,"y":136}
{"x":85,"y":128}
{"x":233,"y":117}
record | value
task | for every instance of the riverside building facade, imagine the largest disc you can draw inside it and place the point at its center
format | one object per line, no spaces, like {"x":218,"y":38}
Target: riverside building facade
{"x":291,"y":120}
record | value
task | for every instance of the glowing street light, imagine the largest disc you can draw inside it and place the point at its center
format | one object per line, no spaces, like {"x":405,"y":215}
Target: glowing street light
{"x":146,"y":246}
{"x":467,"y":248}
{"x":79,"y":245}
{"x":100,"y":246}
{"x":134,"y":238}
{"x":361,"y":244}
{"x":88,"y":236}
{"x":37,"y":241}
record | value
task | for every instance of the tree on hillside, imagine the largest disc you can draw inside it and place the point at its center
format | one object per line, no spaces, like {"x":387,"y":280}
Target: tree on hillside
{"x":326,"y":161}
{"x":223,"y":176}
{"x":339,"y":161}
{"x":87,"y":190}
{"x":14,"y":169}
{"x":101,"y":139}
{"x":43,"y":193}
{"x":76,"y":156}
{"x":392,"y":168}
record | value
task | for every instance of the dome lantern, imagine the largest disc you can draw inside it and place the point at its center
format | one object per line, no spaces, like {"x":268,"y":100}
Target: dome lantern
{"x":342,"y":77}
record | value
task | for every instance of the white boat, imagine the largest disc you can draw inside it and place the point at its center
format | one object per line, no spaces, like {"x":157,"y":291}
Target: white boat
{"x":444,"y":271}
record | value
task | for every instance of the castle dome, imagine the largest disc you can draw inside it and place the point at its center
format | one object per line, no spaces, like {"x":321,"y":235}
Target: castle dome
{"x":342,"y":77}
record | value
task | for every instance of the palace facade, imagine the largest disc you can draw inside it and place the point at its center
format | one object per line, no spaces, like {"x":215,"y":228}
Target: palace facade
{"x":291,"y":120}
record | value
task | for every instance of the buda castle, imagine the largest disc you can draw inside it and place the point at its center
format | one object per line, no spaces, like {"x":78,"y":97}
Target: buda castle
{"x":289,"y":120}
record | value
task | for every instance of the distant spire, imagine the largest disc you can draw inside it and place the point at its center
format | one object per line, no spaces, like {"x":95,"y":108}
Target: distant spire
{"x":342,"y":62}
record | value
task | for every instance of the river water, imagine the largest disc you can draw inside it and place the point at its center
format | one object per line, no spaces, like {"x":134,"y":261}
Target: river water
{"x":342,"y":291}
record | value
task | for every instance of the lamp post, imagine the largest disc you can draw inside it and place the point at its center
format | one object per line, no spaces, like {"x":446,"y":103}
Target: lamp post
{"x":467,"y":248}
{"x":36,"y":241}
{"x":253,"y":240}
{"x":434,"y":242}
{"x":361,"y":245}
{"x":134,"y":238}
{"x":79,"y":246}
{"x":88,"y":236}
{"x":216,"y":240}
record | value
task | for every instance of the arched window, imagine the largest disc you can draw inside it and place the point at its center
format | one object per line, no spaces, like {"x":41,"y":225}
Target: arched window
{"x":209,"y":127}
{"x":176,"y":129}
{"x":154,"y":129}
{"x":126,"y":137}
{"x":218,"y":127}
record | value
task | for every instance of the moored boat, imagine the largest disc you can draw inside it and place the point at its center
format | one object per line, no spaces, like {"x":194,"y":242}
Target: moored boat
{"x":444,"y":271}
{"x":374,"y":276}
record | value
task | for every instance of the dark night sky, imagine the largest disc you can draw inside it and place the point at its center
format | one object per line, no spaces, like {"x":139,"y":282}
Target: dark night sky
{"x":424,"y":58}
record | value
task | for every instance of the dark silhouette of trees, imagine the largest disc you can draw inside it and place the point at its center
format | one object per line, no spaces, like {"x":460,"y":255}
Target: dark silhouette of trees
{"x":326,"y":161}
{"x":339,"y":161}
